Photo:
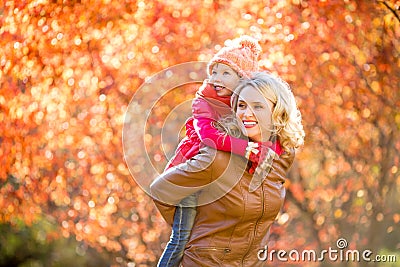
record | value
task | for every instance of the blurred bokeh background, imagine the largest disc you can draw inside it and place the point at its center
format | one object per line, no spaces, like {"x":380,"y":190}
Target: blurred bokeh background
{"x":68,"y":70}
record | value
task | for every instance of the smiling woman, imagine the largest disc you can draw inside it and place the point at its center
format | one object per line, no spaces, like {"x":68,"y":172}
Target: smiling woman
{"x":212,"y":102}
{"x":267,"y":107}
{"x":230,"y":230}
{"x":255,"y":112}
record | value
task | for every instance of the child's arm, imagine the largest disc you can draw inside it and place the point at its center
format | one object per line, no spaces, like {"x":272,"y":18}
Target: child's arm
{"x":214,"y":138}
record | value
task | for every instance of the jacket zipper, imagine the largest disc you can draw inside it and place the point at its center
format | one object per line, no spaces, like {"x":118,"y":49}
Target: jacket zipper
{"x":225,"y":250}
{"x":255,"y":227}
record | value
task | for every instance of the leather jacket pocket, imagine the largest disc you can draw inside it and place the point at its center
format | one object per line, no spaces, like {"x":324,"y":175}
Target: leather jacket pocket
{"x":213,"y":254}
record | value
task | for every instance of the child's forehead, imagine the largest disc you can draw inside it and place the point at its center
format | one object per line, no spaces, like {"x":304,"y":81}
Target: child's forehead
{"x":222,"y":66}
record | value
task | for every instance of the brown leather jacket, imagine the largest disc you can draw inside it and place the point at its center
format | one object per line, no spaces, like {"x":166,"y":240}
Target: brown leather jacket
{"x":232,"y":223}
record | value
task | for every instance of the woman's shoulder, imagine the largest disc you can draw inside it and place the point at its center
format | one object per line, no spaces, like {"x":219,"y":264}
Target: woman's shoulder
{"x":221,"y":162}
{"x":212,"y":156}
{"x":281,"y":166}
{"x":218,"y":156}
{"x":287,"y":157}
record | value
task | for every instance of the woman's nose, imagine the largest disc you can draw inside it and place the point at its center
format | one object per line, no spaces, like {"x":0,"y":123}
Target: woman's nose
{"x":248,"y":112}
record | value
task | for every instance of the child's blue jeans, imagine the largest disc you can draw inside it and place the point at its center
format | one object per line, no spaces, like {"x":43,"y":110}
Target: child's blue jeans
{"x":182,"y":226}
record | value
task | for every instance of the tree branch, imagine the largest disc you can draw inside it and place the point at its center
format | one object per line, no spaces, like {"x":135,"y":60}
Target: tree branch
{"x":391,"y":9}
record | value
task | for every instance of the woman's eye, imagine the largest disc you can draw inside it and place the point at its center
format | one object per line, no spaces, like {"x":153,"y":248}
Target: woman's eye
{"x":258,"y":107}
{"x":226,"y":73}
{"x":242,"y":106}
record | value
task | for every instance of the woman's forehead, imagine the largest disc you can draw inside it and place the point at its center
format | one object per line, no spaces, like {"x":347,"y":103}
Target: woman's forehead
{"x":251,"y":94}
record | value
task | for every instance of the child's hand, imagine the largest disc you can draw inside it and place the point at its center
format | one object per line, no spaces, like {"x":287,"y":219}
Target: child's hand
{"x":257,"y":152}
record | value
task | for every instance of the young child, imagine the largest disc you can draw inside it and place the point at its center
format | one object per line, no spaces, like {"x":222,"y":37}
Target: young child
{"x":212,"y":102}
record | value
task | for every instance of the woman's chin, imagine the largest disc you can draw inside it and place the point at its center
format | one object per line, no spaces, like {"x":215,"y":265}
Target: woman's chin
{"x":253,"y":134}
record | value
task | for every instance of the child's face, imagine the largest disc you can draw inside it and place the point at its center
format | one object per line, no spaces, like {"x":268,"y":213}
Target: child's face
{"x":224,"y":79}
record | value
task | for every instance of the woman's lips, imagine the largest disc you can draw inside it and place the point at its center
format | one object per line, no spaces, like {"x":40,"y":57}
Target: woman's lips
{"x":249,"y":124}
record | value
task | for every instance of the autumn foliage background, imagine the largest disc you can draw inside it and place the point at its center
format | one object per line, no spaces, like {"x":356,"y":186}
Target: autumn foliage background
{"x":68,"y":70}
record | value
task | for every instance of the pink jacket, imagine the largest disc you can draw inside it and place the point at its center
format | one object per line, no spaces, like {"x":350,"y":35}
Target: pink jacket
{"x":207,"y":108}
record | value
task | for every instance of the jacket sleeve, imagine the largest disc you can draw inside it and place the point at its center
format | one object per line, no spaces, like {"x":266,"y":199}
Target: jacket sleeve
{"x":212,"y":173}
{"x":167,"y":211}
{"x":181,"y":181}
{"x":214,"y":138}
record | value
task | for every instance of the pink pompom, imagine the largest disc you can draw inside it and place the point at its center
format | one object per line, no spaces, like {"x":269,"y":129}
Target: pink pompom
{"x":251,"y":43}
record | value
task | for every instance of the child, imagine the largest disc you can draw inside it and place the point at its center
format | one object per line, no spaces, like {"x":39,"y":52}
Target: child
{"x":211,"y":103}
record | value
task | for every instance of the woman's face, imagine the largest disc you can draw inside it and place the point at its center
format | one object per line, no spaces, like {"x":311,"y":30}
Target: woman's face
{"x":255,"y":112}
{"x":224,"y":79}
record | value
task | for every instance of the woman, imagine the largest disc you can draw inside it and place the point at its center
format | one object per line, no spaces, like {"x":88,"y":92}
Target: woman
{"x":234,"y":216}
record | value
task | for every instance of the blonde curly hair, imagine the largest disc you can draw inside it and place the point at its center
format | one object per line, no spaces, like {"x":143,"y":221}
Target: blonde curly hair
{"x":286,"y":117}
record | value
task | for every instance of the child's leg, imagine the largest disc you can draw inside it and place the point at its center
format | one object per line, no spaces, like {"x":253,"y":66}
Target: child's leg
{"x":181,"y":228}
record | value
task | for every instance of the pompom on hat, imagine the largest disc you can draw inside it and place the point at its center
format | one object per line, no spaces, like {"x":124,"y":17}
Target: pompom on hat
{"x":241,"y":56}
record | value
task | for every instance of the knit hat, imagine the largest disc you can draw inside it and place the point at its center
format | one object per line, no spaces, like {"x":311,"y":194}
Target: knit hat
{"x":241,"y":56}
